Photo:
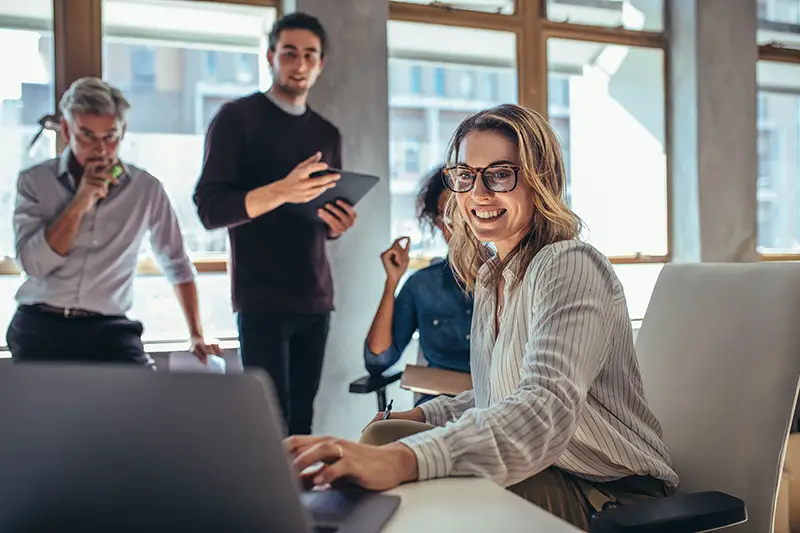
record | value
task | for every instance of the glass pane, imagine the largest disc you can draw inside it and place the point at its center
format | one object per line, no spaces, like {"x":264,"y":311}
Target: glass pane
{"x":26,"y":95}
{"x":779,"y":22}
{"x":505,"y":7}
{"x":778,"y":157}
{"x":434,"y":83}
{"x":156,"y":306}
{"x":607,"y":104}
{"x":638,"y":281}
{"x":642,"y":15}
{"x":177,"y":62}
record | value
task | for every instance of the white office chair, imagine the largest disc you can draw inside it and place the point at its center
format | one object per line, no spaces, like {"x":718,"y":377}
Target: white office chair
{"x":719,"y":352}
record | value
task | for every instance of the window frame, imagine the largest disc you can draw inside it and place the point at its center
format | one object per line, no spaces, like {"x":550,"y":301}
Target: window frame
{"x":78,"y":43}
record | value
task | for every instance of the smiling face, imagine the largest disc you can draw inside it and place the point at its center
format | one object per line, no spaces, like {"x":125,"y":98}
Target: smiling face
{"x":502,"y":218}
{"x":517,"y":203}
{"x":296,"y":62}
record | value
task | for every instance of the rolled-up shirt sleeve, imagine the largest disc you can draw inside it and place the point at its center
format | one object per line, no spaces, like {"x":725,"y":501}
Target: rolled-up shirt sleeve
{"x":166,"y":239}
{"x":34,"y":254}
{"x":443,"y":409}
{"x":527,"y":432}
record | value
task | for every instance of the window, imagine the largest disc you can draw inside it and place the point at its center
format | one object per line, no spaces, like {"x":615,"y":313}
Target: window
{"x":26,"y":94}
{"x":156,"y":306}
{"x":607,"y":104}
{"x":195,"y":71}
{"x":558,"y":115}
{"x":644,"y":15}
{"x":492,"y":86}
{"x":201,"y":56}
{"x":247,"y":68}
{"x":143,"y":69}
{"x":779,"y":22}
{"x":439,"y":81}
{"x":486,"y":58}
{"x":782,"y":11}
{"x":505,"y":7}
{"x":211,"y":64}
{"x":412,"y":162}
{"x":778,"y":158}
{"x":416,"y":79}
{"x":466,"y":84}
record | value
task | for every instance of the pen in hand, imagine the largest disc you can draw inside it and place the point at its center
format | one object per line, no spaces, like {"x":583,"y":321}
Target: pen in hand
{"x":388,"y":410}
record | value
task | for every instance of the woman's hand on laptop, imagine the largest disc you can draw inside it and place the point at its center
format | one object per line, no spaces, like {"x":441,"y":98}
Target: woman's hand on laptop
{"x":371,"y":467}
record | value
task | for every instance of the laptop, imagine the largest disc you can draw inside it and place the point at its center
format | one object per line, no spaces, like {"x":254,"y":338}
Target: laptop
{"x":115,"y":448}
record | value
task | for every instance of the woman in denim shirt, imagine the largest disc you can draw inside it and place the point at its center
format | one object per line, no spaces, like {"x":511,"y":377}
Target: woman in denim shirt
{"x":430,"y":301}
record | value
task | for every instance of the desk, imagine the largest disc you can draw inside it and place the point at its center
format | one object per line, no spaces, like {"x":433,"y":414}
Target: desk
{"x":460,"y":505}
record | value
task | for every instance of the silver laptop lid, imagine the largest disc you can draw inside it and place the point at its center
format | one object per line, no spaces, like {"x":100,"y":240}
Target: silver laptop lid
{"x":110,"y":448}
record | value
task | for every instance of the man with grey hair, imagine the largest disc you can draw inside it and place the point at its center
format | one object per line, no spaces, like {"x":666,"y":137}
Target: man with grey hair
{"x":79,"y":223}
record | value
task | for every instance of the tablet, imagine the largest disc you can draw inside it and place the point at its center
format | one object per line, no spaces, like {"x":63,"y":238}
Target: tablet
{"x":351,"y":187}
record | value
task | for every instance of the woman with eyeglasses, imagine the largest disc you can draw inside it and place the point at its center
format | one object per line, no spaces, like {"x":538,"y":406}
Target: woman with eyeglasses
{"x":557,"y":413}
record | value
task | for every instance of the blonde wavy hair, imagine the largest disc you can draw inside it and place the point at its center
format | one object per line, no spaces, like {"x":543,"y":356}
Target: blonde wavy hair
{"x":542,"y":169}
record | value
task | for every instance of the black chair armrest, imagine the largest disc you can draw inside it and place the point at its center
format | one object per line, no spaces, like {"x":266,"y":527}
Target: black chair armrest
{"x":367,"y":384}
{"x":681,"y":513}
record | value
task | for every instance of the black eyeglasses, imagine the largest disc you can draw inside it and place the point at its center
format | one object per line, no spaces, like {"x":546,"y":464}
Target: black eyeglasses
{"x":496,"y":178}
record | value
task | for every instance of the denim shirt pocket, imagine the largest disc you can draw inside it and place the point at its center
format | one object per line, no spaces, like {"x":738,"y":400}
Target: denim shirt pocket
{"x":442,"y":333}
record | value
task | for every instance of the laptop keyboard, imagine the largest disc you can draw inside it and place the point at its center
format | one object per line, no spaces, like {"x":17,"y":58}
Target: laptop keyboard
{"x":329,"y":508}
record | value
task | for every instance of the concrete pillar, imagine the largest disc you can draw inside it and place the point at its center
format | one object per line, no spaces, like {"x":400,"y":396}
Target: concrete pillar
{"x":713,"y":151}
{"x":353,"y":93}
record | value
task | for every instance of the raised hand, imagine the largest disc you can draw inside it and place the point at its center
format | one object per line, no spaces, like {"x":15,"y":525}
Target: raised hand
{"x":395,"y":259}
{"x":299,"y":187}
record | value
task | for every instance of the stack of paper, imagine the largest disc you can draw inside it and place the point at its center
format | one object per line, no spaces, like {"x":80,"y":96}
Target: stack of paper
{"x":187,"y":362}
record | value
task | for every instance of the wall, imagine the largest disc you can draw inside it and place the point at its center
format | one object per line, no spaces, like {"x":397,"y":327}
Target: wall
{"x":714,"y":157}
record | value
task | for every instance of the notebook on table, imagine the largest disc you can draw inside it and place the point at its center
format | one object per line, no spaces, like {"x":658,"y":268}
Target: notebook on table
{"x":435,"y":381}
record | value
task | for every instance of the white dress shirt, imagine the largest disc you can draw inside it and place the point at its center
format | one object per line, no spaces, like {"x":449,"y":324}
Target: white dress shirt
{"x":559,"y":386}
{"x":98,"y":271}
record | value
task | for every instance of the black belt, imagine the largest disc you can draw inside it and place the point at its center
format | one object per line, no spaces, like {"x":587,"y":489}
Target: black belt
{"x":66,"y":312}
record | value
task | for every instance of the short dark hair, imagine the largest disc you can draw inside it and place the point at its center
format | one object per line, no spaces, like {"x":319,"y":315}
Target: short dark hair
{"x":428,"y":197}
{"x":298,"y":21}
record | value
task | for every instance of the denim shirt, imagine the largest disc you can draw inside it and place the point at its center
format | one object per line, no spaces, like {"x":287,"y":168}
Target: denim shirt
{"x":432,"y":302}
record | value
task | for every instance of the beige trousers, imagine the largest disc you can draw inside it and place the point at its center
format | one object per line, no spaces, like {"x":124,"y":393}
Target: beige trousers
{"x":555,"y":490}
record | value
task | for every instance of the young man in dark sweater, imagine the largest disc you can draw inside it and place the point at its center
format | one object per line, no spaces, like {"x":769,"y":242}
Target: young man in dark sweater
{"x":260,"y":151}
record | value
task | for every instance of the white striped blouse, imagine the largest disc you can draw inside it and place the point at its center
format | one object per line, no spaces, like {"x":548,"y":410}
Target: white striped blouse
{"x":559,"y":386}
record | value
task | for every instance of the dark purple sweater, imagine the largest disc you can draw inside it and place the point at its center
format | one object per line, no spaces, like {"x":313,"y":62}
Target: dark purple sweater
{"x":278,"y":261}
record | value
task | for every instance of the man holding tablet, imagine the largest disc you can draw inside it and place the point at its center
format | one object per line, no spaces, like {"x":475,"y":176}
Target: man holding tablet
{"x":260,"y":153}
